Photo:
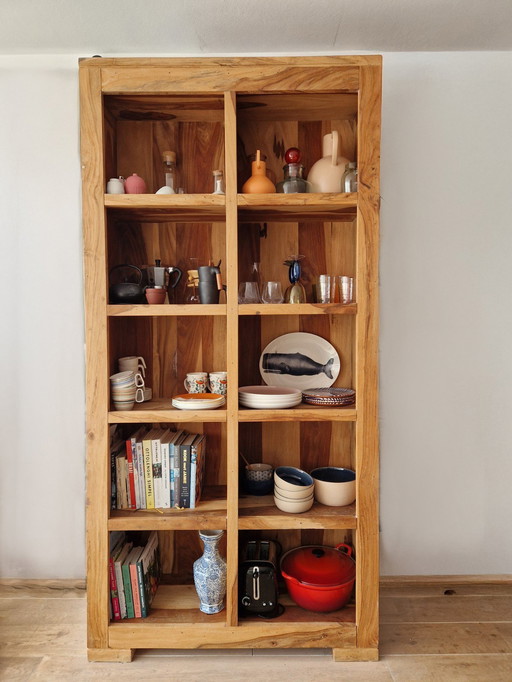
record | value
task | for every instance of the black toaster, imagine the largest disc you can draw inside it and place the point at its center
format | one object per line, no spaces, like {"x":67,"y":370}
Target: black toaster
{"x":257,"y":580}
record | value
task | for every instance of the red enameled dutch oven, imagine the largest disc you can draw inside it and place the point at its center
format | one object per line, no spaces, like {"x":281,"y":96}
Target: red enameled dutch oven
{"x":319,"y":578}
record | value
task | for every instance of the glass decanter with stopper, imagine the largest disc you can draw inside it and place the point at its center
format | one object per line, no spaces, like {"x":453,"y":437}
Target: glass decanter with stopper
{"x":295,"y":293}
{"x":293,"y":181}
{"x":171,"y":181}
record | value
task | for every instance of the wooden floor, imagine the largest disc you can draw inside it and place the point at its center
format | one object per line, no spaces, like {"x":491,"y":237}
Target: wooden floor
{"x":440,"y":631}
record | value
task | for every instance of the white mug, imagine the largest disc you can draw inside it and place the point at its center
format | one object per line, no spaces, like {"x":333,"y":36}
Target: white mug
{"x":196,"y":382}
{"x":218,"y":382}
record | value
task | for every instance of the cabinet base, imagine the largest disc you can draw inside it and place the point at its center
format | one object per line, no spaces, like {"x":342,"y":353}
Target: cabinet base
{"x":340,"y":655}
{"x":110,"y":655}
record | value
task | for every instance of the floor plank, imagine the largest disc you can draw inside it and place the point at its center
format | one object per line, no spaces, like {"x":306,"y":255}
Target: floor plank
{"x":483,"y":668}
{"x":443,"y":638}
{"x":465,"y":609}
{"x":18,"y":668}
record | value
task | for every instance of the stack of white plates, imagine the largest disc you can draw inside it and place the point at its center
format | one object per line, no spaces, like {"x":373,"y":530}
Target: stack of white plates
{"x":198,"y":401}
{"x":269,"y":397}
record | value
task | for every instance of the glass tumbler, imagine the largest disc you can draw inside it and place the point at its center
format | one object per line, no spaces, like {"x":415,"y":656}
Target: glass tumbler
{"x":249,"y":292}
{"x":272,"y":293}
{"x":324,"y":288}
{"x":346,"y":288}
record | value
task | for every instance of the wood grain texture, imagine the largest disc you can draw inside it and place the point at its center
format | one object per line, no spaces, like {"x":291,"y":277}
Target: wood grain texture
{"x":366,"y":358}
{"x":95,"y":266}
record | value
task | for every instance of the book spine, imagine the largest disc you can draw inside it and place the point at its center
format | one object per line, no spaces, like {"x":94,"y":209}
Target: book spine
{"x":177,"y":476}
{"x":131,"y":474}
{"x":140,"y":586}
{"x":113,"y":590}
{"x":120,"y":589}
{"x":135,"y":590}
{"x":148,"y":474}
{"x":130,"y":613}
{"x":140,"y":469}
{"x":166,"y":477}
{"x":193,"y":475}
{"x":156,"y":454}
{"x":185,"y":476}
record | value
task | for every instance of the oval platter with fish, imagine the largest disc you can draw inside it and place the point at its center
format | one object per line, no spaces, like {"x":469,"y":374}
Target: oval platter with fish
{"x":300,"y":360}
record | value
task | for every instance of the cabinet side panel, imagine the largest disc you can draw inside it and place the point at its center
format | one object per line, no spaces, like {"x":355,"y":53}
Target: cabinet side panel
{"x":96,"y":356}
{"x":367,"y":359}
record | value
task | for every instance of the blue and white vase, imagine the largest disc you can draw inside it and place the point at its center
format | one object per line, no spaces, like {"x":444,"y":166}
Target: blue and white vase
{"x":210,"y":573}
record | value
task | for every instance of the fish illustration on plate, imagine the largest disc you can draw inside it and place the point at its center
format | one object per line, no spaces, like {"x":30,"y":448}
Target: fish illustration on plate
{"x":295,"y":364}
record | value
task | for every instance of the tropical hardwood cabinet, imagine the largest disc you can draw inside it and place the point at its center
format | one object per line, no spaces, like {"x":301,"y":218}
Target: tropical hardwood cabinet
{"x":214,"y":113}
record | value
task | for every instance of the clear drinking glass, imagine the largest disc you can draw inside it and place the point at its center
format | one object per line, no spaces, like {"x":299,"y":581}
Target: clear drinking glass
{"x":324,"y":288}
{"x":249,"y":292}
{"x":272,"y":293}
{"x":346,"y":288}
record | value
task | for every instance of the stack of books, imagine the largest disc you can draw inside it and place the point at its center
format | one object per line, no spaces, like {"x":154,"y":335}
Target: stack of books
{"x":156,"y":469}
{"x":134,"y":573}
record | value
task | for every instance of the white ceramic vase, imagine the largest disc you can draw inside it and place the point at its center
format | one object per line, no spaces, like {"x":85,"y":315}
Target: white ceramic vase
{"x":326,"y":174}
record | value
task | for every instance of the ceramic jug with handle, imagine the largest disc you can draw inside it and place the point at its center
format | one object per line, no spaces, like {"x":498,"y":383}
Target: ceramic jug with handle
{"x":325,"y":175}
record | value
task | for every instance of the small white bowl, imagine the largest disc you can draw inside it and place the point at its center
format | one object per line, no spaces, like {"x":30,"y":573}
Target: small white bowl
{"x":299,"y":494}
{"x":334,"y":486}
{"x":293,"y":507}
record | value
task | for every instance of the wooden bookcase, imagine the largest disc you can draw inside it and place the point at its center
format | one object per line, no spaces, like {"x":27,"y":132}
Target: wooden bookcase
{"x":213,"y":113}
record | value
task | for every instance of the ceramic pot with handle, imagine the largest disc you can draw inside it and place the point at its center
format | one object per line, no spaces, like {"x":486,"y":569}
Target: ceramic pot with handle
{"x":126,"y":291}
{"x":326,"y":174}
{"x":319,"y":578}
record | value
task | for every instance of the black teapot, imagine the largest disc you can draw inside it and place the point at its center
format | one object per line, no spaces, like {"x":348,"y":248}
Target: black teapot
{"x":126,"y":291}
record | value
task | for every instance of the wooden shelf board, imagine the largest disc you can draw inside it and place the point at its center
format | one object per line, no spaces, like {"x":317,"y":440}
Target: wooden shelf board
{"x":166,"y":107}
{"x":167,"y":208}
{"x":175,"y":621}
{"x":296,"y":207}
{"x":210,"y":514}
{"x":302,"y":413}
{"x":161,"y":410}
{"x":297,"y":107}
{"x":297,"y":309}
{"x":261,"y":513}
{"x":166,"y":310}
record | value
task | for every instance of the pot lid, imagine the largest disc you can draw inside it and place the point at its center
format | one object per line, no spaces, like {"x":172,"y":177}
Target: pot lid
{"x":319,"y":565}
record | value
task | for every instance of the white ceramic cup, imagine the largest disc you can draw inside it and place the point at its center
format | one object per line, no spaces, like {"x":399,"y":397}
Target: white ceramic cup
{"x":135,"y":363}
{"x":115,"y":186}
{"x":196,"y":382}
{"x":127,"y":378}
{"x":218,"y":382}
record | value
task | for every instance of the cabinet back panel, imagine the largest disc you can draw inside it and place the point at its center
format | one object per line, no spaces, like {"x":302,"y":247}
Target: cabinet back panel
{"x":199,"y":148}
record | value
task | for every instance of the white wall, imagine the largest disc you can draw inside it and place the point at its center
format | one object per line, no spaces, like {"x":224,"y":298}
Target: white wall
{"x":445,"y":318}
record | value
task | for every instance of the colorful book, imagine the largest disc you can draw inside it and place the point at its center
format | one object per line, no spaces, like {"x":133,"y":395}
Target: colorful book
{"x":196,"y":469}
{"x":147,"y":448}
{"x":139,"y":461}
{"x":165,"y":441}
{"x":115,"y":545}
{"x":135,"y":555}
{"x":151,"y":570}
{"x":174,"y":451}
{"x":184,"y":450}
{"x":156,"y":456}
{"x":118,"y":562}
{"x":127,"y":582}
{"x":142,"y":567}
{"x":131,"y":474}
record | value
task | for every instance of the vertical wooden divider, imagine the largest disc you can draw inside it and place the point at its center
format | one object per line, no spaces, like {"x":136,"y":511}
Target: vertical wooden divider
{"x":97,"y":397}
{"x":366,"y":360}
{"x":232,"y":357}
